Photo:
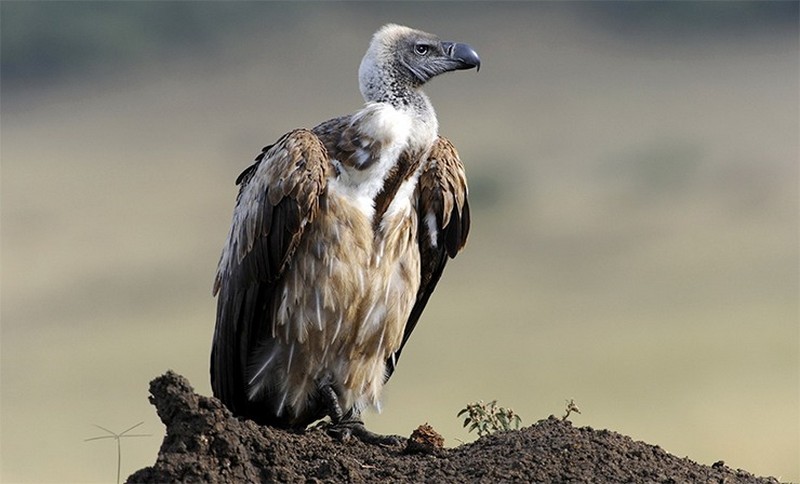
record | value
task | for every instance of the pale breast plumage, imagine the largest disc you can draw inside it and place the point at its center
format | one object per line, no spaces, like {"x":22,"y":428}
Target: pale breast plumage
{"x":342,"y":311}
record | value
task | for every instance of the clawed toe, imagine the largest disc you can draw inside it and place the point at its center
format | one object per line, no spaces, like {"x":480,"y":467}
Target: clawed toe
{"x":347,"y":426}
{"x":347,"y":430}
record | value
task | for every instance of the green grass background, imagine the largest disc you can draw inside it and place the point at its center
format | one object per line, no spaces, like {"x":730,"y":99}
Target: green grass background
{"x":634,"y":185}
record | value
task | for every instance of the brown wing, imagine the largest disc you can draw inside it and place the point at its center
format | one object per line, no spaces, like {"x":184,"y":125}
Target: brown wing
{"x":443,"y":212}
{"x":280,"y":196}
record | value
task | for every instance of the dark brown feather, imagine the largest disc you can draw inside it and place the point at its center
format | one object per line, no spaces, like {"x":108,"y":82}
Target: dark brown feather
{"x":346,"y":144}
{"x":280,"y":195}
{"x":405,"y":167}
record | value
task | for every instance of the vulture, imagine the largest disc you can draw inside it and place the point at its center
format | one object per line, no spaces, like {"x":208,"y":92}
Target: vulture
{"x":339,"y":236}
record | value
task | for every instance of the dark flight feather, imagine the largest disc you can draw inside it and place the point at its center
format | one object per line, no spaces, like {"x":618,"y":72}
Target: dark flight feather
{"x":279,"y":195}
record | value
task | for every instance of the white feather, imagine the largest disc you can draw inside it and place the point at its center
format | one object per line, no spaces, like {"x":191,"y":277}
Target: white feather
{"x":388,"y":126}
{"x":433,"y":231}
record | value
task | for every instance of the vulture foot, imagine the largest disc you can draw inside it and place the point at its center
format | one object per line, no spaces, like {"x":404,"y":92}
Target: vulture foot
{"x":346,"y":427}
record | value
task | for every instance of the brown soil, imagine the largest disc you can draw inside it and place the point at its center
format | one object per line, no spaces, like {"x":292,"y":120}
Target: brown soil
{"x":206,"y":443}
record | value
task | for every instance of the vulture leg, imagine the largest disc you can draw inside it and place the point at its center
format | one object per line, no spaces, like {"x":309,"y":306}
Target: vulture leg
{"x":345,"y":427}
{"x":331,"y":402}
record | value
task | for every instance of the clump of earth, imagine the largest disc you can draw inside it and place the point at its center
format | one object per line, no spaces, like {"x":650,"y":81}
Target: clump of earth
{"x":206,"y":443}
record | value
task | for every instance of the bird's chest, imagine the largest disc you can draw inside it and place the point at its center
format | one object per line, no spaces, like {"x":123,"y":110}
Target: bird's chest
{"x":354,"y":280}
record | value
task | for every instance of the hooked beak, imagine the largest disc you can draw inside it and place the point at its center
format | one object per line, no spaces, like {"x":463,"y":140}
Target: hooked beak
{"x":463,"y":54}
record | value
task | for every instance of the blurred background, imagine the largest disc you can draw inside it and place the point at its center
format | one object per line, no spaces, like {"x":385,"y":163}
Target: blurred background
{"x":634,"y":186}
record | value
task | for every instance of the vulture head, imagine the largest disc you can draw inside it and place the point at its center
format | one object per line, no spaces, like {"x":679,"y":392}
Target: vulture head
{"x":400,"y":58}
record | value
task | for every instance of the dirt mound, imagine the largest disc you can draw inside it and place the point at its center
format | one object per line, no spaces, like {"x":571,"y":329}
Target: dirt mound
{"x":206,"y":443}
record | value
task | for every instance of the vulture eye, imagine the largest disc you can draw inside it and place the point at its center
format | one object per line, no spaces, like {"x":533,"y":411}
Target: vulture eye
{"x":422,"y":49}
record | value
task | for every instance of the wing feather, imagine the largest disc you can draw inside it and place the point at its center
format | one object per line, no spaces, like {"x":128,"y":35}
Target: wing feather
{"x":280,"y":195}
{"x":443,"y":211}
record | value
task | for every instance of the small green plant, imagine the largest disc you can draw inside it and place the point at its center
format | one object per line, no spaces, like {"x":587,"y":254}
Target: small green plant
{"x":487,"y":418}
{"x":117,"y":437}
{"x":571,"y":407}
